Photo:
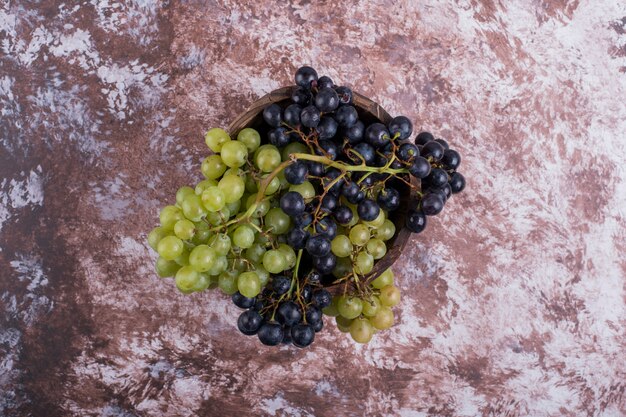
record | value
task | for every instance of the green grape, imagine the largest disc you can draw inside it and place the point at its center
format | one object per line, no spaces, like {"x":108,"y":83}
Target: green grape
{"x":213,"y":199}
{"x":331,"y":310}
{"x":182,"y":193}
{"x":221,"y":243}
{"x":165,"y":268}
{"x":213,"y":167}
{"x":203,"y":185}
{"x":273,"y":186}
{"x":341,"y":246}
{"x":294,"y":147}
{"x":378,"y":221}
{"x":274,"y":261}
{"x":371,"y":306}
{"x":227,"y":282}
{"x":184,"y":229}
{"x":384,"y":279}
{"x":262,"y":273}
{"x":250,"y":138}
{"x":155,"y":236}
{"x":235,"y":171}
{"x":277,"y":221}
{"x":364,"y":263}
{"x":386,"y":230}
{"x":183,"y":258}
{"x":349,"y":307}
{"x":243,"y":236}
{"x":202,"y":258}
{"x":267,"y":158}
{"x":249,"y":284}
{"x":306,"y":190}
{"x":282,"y":179}
{"x":233,"y":188}
{"x":220,"y":217}
{"x":255,"y":252}
{"x":251,"y":184}
{"x":290,"y":255}
{"x":193,"y":208}
{"x":359,"y":235}
{"x":262,"y":207}
{"x":168,"y":217}
{"x":239,"y":264}
{"x":186,"y":279}
{"x":389,"y":295}
{"x":343,"y":267}
{"x":361,"y":330}
{"x":202,"y":233}
{"x":343,"y":324}
{"x":261,"y":239}
{"x":203,"y":282}
{"x":214,"y":282}
{"x":220,"y":265}
{"x":383,"y":318}
{"x":215,"y":138}
{"x":170,"y":248}
{"x":376,"y":248}
{"x":234,"y":206}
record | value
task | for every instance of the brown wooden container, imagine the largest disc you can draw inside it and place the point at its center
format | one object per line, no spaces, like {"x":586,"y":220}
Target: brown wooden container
{"x":368,"y":111}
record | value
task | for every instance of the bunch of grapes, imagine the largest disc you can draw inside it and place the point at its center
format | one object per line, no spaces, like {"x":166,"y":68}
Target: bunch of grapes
{"x":306,"y":204}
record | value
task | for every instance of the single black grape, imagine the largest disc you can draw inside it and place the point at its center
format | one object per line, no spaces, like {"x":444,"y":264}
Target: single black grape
{"x":343,"y":215}
{"x":242,"y":301}
{"x":288,"y":313}
{"x":270,"y":334}
{"x":278,"y":137}
{"x":318,"y":326}
{"x":325,"y":82}
{"x":301,"y":96}
{"x":432,"y":150}
{"x":287,"y":335}
{"x":281,"y":284}
{"x":345,"y":95}
{"x":377,"y":135}
{"x":368,"y":210}
{"x":314,"y":278}
{"x":297,"y":237}
{"x":307,"y":293}
{"x":259,"y":303}
{"x":352,"y":192}
{"x":326,"y":227}
{"x":451,"y":159}
{"x":318,"y":245}
{"x":305,"y":76}
{"x":322,"y":298}
{"x":329,"y":202}
{"x":432,"y":204}
{"x":331,"y":175}
{"x":327,"y":128}
{"x":443,"y":143}
{"x":402,"y":126}
{"x":415,"y":221}
{"x":423,"y":138}
{"x":367,"y":152}
{"x":310,"y":116}
{"x":291,"y":115}
{"x":249,"y":322}
{"x":326,"y":100}
{"x":315,"y":168}
{"x":457,"y":182}
{"x":420,"y":167}
{"x":346,"y":116}
{"x":389,"y":199}
{"x":407,"y":152}
{"x":355,"y":132}
{"x":446,"y":191}
{"x":302,"y":335}
{"x":437,"y":178}
{"x":303,"y":219}
{"x":272,"y":115}
{"x":296,"y":173}
{"x":292,"y":203}
{"x":313,"y":314}
{"x":327,"y":148}
{"x":325,"y":264}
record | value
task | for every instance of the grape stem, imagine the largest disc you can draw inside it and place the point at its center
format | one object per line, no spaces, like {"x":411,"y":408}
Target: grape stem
{"x":344,"y":167}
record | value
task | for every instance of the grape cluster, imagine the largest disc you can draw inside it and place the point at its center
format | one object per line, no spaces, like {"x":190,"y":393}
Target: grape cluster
{"x":301,"y":203}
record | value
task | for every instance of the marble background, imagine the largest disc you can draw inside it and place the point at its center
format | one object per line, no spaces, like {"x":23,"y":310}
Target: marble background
{"x":514,"y":299}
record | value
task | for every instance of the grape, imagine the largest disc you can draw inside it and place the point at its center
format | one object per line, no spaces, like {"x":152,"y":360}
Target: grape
{"x":242,"y":301}
{"x":331,"y":310}
{"x":248,"y":284}
{"x":227,"y":282}
{"x":318,"y":245}
{"x":292,"y":115}
{"x":328,"y":149}
{"x":345,"y":95}
{"x":262,"y":273}
{"x":292,"y":203}
{"x":297,"y":238}
{"x":301,"y":96}
{"x":359,"y":235}
{"x":233,"y":188}
{"x":325,"y":264}
{"x":273,"y":186}
{"x":243,"y":236}
{"x":170,"y":247}
{"x":451,"y":159}
{"x":326,"y":100}
{"x":234,"y":153}
{"x":402,"y":126}
{"x":443,"y":143}
{"x":351,"y":190}
{"x":324,"y":82}
{"x":155,"y":236}
{"x":165,"y":268}
{"x":219,"y":217}
{"x":262,"y":207}
{"x":432,"y":204}
{"x":342,"y":268}
{"x":267,"y":158}
{"x":371,"y":306}
{"x":327,"y":127}
{"x":203,"y":185}
{"x":343,"y":215}
{"x":213,"y":199}
{"x":386,"y":231}
{"x":383,"y":280}
{"x":270,"y":334}
{"x":432,"y":150}
{"x":214,"y":139}
{"x":182,"y":193}
{"x":290,"y":255}
{"x":346,"y":116}
{"x":249,"y":322}
{"x":296,"y":173}
{"x":213,"y":167}
{"x":310,"y":116}
{"x":203,"y":282}
{"x":378,"y":221}
{"x":355,"y":132}
{"x":277,"y":221}
{"x":202,"y":258}
{"x":376,"y":248}
{"x":457,"y":182}
{"x":349,"y":307}
{"x":305,"y":76}
{"x":192,"y":208}
{"x":305,"y":189}
{"x":274,"y":261}
{"x":415,"y":221}
{"x":364,"y":263}
{"x":272,"y":115}
{"x":407,"y":152}
{"x":437,"y":178}
{"x":343,"y":324}
{"x":184,"y":229}
{"x":183,"y":258}
{"x":220,"y":265}
{"x":302,"y":335}
{"x":376,"y":135}
{"x":168,"y":217}
{"x":281,"y":284}
{"x":423,"y":138}
{"x":288,"y":313}
{"x":383,"y":318}
{"x":389,"y":295}
{"x":341,"y":246}
{"x":255,"y":252}
{"x":420,"y":167}
{"x":278,"y":137}
{"x":366,"y":151}
{"x":221,"y":243}
{"x":186,"y":279}
{"x":250,"y":138}
{"x":361,"y":330}
{"x":294,"y":147}
{"x":251,"y":184}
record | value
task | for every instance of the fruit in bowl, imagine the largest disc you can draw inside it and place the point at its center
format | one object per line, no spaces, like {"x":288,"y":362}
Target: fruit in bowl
{"x":307,"y":201}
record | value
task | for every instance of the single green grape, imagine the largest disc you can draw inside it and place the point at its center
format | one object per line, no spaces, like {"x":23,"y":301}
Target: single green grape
{"x":331,"y":310}
{"x":364,"y":263}
{"x":262,"y":207}
{"x":182,"y":193}
{"x":261,"y":239}
{"x":169,"y":215}
{"x":341,"y":246}
{"x":183,"y":258}
{"x":215,"y":138}
{"x":233,"y":188}
{"x":184,"y":229}
{"x":386,"y":231}
{"x":389,"y":295}
{"x":203,"y":185}
{"x":202,"y":258}
{"x":294,"y":147}
{"x":213,"y":199}
{"x":221,"y":243}
{"x":359,"y":235}
{"x":384,"y":279}
{"x":234,"y":206}
{"x":155,"y":236}
{"x":251,"y":184}
{"x":193,"y":208}
{"x":203,"y":282}
{"x":239,"y":264}
{"x":202,"y":233}
{"x":277,"y":221}
{"x":273,"y":186}
{"x":187,"y":278}
{"x":306,"y":190}
{"x":383,"y":318}
{"x":243,"y":236}
{"x":376,"y":248}
{"x":250,"y":138}
{"x":165,"y":268}
{"x":378,"y":221}
{"x":343,"y":268}
{"x":220,"y":265}
{"x":361,"y":330}
{"x":255,"y":252}
{"x":349,"y":307}
{"x":227,"y":282}
{"x":220,"y":217}
{"x":235,"y":171}
{"x":290,"y":255}
{"x":267,"y":158}
{"x":213,"y":167}
{"x":343,"y":324}
{"x":249,"y":284}
{"x":282,"y":179}
{"x":274,"y":261}
{"x":262,"y":273}
{"x":371,"y":306}
{"x":170,"y":247}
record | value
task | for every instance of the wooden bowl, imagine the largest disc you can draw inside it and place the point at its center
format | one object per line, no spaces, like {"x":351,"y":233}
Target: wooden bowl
{"x":370,"y":112}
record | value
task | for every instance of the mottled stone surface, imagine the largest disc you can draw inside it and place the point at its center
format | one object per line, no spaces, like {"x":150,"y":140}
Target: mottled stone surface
{"x":514,"y":298}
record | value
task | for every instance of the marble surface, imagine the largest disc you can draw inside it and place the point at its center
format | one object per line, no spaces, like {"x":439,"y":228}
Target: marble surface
{"x":514,"y":298}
